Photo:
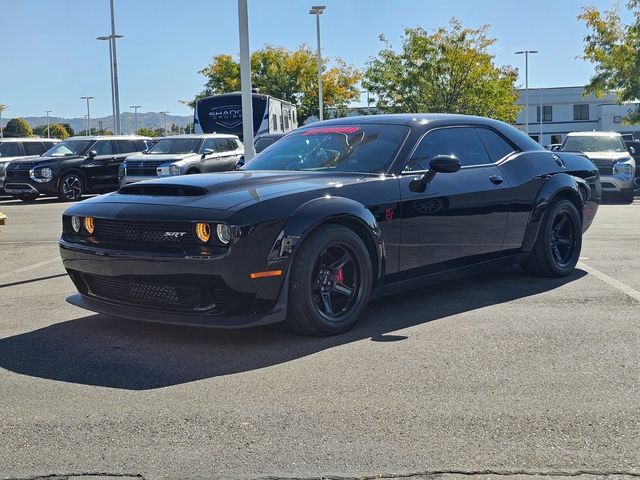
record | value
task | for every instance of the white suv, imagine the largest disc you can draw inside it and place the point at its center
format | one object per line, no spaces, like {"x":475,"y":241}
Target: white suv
{"x":12,"y":148}
{"x":609,"y":153}
{"x":183,"y":155}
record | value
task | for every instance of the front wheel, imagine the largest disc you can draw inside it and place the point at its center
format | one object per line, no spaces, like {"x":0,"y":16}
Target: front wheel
{"x":28,"y":198}
{"x":71,"y":187}
{"x":331,"y":282}
{"x":557,"y":248}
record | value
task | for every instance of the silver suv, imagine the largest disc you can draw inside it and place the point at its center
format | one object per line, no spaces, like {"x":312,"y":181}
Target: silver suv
{"x":12,"y":148}
{"x":609,"y":153}
{"x":183,"y":155}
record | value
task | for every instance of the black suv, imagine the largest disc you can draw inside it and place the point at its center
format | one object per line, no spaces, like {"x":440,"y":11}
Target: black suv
{"x":71,"y":168}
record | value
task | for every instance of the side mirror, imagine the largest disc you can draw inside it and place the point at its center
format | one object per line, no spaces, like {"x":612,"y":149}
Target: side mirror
{"x":632,"y":150}
{"x":207,"y":151}
{"x":92,"y":154}
{"x":145,"y":151}
{"x":240,"y":162}
{"x":438,"y":164}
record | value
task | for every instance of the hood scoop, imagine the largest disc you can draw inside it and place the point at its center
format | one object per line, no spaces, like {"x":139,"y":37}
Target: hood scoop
{"x":163,"y":190}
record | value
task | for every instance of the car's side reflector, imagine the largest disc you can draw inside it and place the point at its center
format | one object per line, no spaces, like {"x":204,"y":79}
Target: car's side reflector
{"x":270,"y":273}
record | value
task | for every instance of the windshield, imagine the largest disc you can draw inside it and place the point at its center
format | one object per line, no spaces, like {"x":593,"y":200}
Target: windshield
{"x":9,"y":149}
{"x":69,"y":148}
{"x":175,"y":146}
{"x":594,"y":144}
{"x":349,"y":148}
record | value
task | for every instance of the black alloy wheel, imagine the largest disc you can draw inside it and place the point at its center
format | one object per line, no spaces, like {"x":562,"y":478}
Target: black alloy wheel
{"x":330,"y":281}
{"x":71,"y":187}
{"x":559,"y":242}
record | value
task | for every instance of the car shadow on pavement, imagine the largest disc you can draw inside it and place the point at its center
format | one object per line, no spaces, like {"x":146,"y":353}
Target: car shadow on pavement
{"x":110,"y":352}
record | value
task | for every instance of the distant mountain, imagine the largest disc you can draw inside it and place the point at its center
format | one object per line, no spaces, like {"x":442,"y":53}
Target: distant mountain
{"x":127,"y":121}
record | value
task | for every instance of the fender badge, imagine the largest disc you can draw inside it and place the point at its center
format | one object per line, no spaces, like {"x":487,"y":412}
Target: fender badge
{"x":175,"y":234}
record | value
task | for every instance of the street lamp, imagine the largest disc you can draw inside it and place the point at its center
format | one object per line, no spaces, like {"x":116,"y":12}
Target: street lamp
{"x":48,"y":112}
{"x":317,"y":10}
{"x":115,"y":98}
{"x":88,"y":115}
{"x":164,"y":115}
{"x":135,"y":110}
{"x":526,"y":87}
{"x":3,"y":107}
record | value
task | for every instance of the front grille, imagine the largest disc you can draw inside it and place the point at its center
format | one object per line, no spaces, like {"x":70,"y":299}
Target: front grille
{"x":116,"y":231}
{"x":143,"y":167}
{"x":21,"y":166}
{"x":177,"y":293}
{"x":605,"y":169}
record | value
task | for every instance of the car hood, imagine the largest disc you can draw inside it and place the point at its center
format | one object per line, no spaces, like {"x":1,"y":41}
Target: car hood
{"x":226,"y":190}
{"x":41,"y":160}
{"x":168,"y":157}
{"x":608,"y":156}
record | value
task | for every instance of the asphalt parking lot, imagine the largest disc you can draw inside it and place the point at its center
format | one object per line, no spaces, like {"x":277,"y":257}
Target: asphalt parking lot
{"x":500,"y":374}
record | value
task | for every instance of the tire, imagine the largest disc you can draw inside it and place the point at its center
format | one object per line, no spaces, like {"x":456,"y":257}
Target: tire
{"x":557,"y":248}
{"x":627,"y":197}
{"x":317,"y":266}
{"x":71,"y":187}
{"x":27,"y":198}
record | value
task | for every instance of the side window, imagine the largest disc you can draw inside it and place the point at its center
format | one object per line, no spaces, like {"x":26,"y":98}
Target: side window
{"x":274,"y":120}
{"x":48,"y":145}
{"x":33,"y":148}
{"x":286,"y":119}
{"x":223,"y":145}
{"x":209,"y":143}
{"x":497,"y":147}
{"x":127,"y":146}
{"x":103,"y":147}
{"x":461,"y":142}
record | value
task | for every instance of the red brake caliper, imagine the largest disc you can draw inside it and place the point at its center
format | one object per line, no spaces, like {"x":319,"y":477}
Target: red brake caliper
{"x":340,"y":276}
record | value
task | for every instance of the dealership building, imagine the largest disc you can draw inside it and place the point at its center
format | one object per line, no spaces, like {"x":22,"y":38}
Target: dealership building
{"x":554,"y":112}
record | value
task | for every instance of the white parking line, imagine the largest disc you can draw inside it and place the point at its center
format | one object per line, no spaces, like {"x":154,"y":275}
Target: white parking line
{"x":627,"y":290}
{"x":30,"y":267}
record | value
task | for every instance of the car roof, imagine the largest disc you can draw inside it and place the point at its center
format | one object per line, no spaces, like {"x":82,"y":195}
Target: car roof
{"x":108,"y":137}
{"x":28,"y":139}
{"x":410,"y":118}
{"x":594,"y":134}
{"x":201,"y":135}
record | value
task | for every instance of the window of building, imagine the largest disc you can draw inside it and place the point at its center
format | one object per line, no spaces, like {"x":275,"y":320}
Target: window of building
{"x":617,"y":119}
{"x":547,"y":113}
{"x":581,"y":112}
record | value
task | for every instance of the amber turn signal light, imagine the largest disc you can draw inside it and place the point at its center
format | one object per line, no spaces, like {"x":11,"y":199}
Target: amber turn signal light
{"x":89,"y":225}
{"x":270,"y":273}
{"x":203,"y":232}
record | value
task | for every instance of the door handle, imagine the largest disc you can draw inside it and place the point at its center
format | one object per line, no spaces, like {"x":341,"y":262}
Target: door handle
{"x":496,"y":179}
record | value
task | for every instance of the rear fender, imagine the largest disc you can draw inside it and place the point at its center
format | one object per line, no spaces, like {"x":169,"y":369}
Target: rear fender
{"x":558,"y":185}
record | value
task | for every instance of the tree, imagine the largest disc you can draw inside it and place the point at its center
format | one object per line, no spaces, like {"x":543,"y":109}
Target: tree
{"x":290,"y":75}
{"x":57,"y":131}
{"x":17,"y":127}
{"x":68,"y":128}
{"x":151,"y":132}
{"x":614,"y":48}
{"x":449,"y":71}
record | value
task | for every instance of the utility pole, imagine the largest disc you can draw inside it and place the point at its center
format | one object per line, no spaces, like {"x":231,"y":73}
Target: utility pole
{"x":164,"y":115}
{"x":135,"y":114}
{"x":116,"y":93}
{"x":88,"y":132}
{"x":48,"y":112}
{"x":526,"y":87}
{"x":3,"y":107}
{"x":245,"y":81}
{"x":317,"y":10}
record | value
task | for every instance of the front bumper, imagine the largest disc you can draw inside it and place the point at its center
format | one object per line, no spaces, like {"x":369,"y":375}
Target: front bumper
{"x":614,"y":184}
{"x":26,"y":186}
{"x":159,"y":287}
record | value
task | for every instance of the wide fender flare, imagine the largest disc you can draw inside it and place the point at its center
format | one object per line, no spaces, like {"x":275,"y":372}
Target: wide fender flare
{"x":323,"y":210}
{"x":558,"y":185}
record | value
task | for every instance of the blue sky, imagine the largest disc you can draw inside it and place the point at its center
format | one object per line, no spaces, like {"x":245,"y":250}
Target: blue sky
{"x":49,"y":56}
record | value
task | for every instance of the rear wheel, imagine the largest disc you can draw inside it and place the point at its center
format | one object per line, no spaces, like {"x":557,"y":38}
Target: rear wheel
{"x":28,"y":198}
{"x":71,"y":187}
{"x":331,"y":281}
{"x":557,"y":248}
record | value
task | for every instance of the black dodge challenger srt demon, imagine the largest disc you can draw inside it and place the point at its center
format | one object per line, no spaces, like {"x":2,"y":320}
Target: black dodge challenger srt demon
{"x":328,"y":217}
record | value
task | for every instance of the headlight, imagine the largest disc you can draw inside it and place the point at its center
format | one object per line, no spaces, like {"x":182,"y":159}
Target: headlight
{"x":3,"y":166}
{"x":122,"y":170}
{"x":76,"y":223}
{"x":174,"y":170}
{"x":624,"y":170}
{"x":223,"y":232}
{"x":89,"y":225}
{"x":41,"y":174}
{"x":203,"y":232}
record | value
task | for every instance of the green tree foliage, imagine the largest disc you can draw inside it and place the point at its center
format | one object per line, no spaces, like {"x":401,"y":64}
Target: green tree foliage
{"x":18,"y":127}
{"x":151,"y":132}
{"x":40,"y":131}
{"x":57,"y":131}
{"x":448,"y":71}
{"x":290,"y":75}
{"x":614,"y":48}
{"x":68,"y":128}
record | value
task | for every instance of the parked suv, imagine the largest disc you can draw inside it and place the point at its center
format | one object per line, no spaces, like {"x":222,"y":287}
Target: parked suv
{"x":73,"y":167}
{"x":634,"y":149}
{"x":183,"y":155}
{"x":609,"y":153}
{"x":12,"y":148}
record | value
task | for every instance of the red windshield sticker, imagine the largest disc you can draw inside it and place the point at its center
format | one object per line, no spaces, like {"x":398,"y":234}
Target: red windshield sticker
{"x":324,"y":130}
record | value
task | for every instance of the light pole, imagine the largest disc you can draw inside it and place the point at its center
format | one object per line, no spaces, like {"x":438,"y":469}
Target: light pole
{"x":135,"y":114}
{"x":164,"y":115}
{"x":48,"y":112}
{"x":317,"y":10}
{"x":3,"y":107}
{"x":245,"y":80}
{"x":88,"y":115}
{"x":115,"y":101}
{"x":526,"y":87}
